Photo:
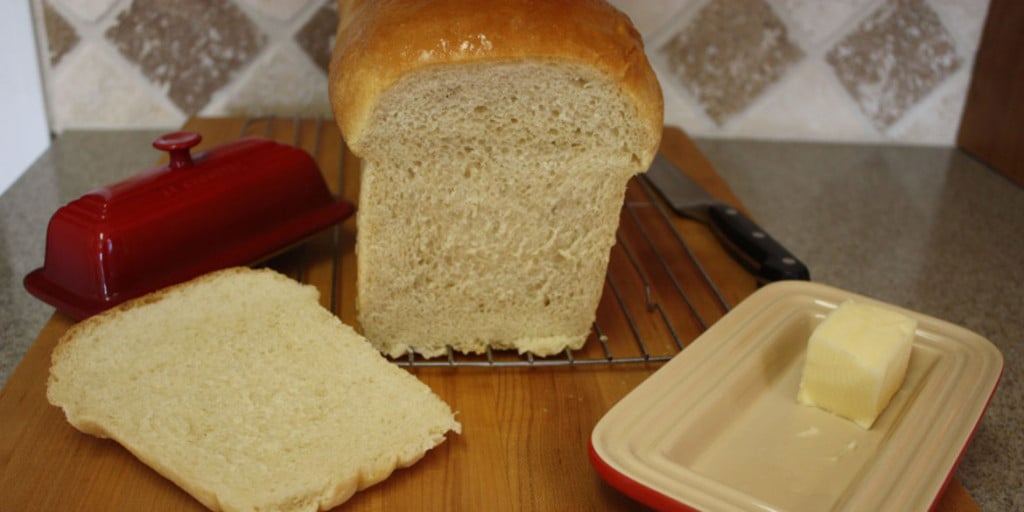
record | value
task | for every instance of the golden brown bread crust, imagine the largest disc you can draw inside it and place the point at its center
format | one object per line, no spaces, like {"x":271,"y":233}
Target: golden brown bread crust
{"x":379,"y":41}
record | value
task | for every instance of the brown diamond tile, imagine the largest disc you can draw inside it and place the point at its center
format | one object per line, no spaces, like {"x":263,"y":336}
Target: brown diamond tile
{"x":60,"y":35}
{"x":729,"y":54}
{"x":191,"y":47}
{"x":893,"y":59}
{"x":316,"y":37}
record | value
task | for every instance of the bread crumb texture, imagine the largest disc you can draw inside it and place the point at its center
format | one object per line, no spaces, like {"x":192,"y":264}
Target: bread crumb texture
{"x":490,"y":198}
{"x":240,"y":388}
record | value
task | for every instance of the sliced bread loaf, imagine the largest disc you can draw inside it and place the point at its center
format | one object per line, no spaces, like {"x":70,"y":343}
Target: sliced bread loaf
{"x":241,"y":389}
{"x":497,"y":139}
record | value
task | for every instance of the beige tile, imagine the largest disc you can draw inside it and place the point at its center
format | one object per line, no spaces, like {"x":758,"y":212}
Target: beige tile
{"x":88,"y":10}
{"x":814,"y":22}
{"x":93,"y":90}
{"x":810,"y":105}
{"x":284,"y":82}
{"x":649,"y":16}
{"x":192,"y":48}
{"x":964,"y":19}
{"x":279,"y":10}
{"x":893,"y":59}
{"x":728,"y":54}
{"x":61,"y":37}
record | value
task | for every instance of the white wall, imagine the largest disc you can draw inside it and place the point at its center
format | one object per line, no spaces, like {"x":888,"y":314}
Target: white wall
{"x":23,"y":129}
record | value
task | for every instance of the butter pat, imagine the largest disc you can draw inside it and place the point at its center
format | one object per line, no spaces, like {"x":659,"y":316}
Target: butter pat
{"x":856,"y":360}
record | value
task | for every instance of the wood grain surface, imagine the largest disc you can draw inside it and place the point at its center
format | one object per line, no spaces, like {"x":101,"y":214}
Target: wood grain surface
{"x":990,"y":127}
{"x":526,"y":429}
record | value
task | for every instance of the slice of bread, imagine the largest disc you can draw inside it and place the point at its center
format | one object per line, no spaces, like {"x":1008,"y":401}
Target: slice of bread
{"x":497,"y":141}
{"x":241,"y":389}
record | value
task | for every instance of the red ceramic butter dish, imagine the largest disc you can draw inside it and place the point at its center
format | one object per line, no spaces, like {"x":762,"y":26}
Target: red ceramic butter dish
{"x":231,"y":205}
{"x":719,"y":427}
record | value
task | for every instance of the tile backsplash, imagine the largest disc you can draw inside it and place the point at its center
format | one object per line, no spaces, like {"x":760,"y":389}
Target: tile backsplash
{"x":839,"y":70}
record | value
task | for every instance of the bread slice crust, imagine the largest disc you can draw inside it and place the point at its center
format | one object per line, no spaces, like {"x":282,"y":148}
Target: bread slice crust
{"x":242,"y":390}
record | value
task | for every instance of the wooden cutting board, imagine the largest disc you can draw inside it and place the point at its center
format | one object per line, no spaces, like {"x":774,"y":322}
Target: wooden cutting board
{"x":526,"y":429}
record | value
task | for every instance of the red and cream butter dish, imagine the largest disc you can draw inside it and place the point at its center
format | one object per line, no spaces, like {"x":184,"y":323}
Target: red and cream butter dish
{"x":233,"y":204}
{"x":719,"y":426}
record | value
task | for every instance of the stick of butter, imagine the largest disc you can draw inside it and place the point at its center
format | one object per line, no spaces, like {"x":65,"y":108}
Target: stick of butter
{"x":856,"y":360}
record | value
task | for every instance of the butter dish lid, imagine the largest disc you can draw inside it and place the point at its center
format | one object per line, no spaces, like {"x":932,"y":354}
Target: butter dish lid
{"x":233,"y":204}
{"x":719,"y":428}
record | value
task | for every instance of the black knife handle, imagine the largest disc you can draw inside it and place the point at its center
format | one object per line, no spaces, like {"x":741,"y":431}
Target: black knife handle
{"x":753,"y":246}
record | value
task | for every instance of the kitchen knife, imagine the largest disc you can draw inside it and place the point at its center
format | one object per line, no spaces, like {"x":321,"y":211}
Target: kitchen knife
{"x":744,"y":239}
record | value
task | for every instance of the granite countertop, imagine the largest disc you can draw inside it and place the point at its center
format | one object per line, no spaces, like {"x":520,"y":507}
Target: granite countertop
{"x":928,"y":229}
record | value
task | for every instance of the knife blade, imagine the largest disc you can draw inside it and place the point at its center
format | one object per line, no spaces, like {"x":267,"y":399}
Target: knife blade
{"x":741,"y":236}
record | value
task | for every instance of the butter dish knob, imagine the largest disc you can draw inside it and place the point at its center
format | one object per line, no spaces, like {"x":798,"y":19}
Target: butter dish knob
{"x":178,"y":145}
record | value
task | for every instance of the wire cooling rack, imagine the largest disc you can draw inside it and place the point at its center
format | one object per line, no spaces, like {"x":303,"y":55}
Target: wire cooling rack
{"x":657,"y":296}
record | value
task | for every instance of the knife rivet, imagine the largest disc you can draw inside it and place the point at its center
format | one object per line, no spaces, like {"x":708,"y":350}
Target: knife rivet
{"x":730,"y":211}
{"x":789,"y":261}
{"x":758,"y":234}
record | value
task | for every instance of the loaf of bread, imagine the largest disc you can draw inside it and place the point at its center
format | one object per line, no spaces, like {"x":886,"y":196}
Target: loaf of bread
{"x":242,"y":390}
{"x":497,"y":139}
